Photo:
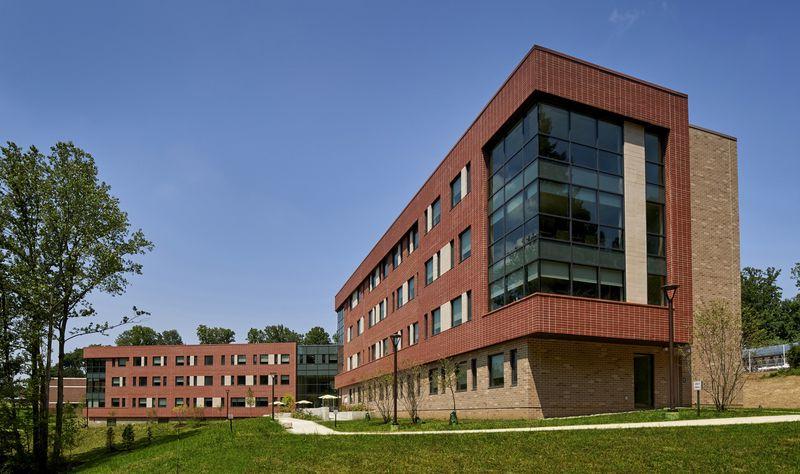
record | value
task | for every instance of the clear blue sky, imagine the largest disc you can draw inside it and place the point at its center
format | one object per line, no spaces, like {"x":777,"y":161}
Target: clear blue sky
{"x":249,"y":140}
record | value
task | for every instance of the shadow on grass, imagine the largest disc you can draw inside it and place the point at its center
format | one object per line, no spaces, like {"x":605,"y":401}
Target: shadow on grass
{"x":100,"y":455}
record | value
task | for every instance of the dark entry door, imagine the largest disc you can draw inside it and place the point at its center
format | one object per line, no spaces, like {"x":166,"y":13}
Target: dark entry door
{"x":643,"y":380}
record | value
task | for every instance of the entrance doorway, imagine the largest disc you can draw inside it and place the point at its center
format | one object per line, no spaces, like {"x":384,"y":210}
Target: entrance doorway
{"x":643,"y":381}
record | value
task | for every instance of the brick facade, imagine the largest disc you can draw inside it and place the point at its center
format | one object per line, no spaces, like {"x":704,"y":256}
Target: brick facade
{"x":618,"y":328}
{"x":199,"y":369}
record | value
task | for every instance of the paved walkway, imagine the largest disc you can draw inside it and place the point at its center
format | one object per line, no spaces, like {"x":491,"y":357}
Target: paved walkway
{"x":309,"y":427}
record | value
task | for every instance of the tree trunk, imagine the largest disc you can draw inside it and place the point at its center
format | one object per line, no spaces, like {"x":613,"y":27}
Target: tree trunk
{"x":44,"y":404}
{"x":35,"y":380}
{"x":62,"y":334}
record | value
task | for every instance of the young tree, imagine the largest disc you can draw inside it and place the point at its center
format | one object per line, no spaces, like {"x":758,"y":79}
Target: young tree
{"x":317,"y":335}
{"x":138,"y":336}
{"x":215,"y":335}
{"x":110,"y":438}
{"x":128,"y":437}
{"x":449,"y":376}
{"x":412,"y":399}
{"x":718,"y":342}
{"x":381,"y":388}
{"x":250,"y":398}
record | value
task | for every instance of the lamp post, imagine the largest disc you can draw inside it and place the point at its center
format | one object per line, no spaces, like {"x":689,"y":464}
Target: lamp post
{"x":669,"y":294}
{"x":395,"y":341}
{"x":272,"y":403}
{"x":228,"y":409}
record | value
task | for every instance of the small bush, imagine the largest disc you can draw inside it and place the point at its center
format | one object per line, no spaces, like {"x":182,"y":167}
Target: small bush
{"x":128,"y":437}
{"x":793,"y":357}
{"x":149,"y":433}
{"x":110,"y":438}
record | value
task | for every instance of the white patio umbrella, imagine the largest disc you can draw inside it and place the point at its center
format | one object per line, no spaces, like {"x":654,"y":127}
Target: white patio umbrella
{"x":279,"y":403}
{"x":303,"y":402}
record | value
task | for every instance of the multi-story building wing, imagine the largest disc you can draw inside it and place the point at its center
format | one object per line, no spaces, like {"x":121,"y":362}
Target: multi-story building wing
{"x":134,"y":382}
{"x":535,"y":254}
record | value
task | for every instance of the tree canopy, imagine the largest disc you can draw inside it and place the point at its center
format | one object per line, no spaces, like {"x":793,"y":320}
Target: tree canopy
{"x":215,"y":335}
{"x":317,"y":335}
{"x":766,"y":316}
{"x":146,"y":336}
{"x":280,"y":333}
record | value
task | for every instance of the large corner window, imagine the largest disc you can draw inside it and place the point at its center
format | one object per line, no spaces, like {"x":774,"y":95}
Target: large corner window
{"x":656,"y":218}
{"x":556,"y":216}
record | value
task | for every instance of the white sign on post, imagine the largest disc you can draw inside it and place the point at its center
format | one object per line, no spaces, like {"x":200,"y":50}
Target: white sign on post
{"x":698,"y":385}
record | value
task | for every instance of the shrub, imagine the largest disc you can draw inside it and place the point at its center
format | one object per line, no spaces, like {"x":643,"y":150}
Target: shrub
{"x":793,"y":357}
{"x":149,"y":433}
{"x":110,"y":438}
{"x":128,"y":437}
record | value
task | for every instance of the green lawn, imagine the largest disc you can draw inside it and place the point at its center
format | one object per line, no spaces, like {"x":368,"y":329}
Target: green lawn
{"x":260,"y":445}
{"x":630,"y":417}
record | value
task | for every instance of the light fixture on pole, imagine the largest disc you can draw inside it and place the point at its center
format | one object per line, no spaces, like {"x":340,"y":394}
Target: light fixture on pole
{"x":395,"y":341}
{"x":273,"y":375}
{"x":669,"y":294}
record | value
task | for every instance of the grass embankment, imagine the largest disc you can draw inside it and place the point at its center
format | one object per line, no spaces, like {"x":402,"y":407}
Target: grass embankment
{"x":260,"y":445}
{"x":630,"y":417}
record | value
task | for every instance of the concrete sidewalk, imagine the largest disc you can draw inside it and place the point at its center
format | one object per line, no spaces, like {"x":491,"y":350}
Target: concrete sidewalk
{"x":310,"y":427}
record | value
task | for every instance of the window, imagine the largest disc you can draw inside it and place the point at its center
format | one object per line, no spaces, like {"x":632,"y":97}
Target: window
{"x":122,"y":362}
{"x":222,"y":360}
{"x":436,"y":317}
{"x":241,"y":359}
{"x":411,"y":289}
{"x":429,"y":275}
{"x":241,"y":380}
{"x":474,"y":370}
{"x":179,"y":381}
{"x":512,"y":360}
{"x":465,"y":244}
{"x":208,"y":380}
{"x":143,"y":381}
{"x":156,"y":381}
{"x":117,"y":381}
{"x":433,"y":382}
{"x":264,"y":358}
{"x":496,"y":370}
{"x":284,"y":358}
{"x":237,"y":402}
{"x":436,"y":210}
{"x":162,"y":403}
{"x":399,"y":298}
{"x":262,"y":401}
{"x":414,"y":334}
{"x":208,"y":360}
{"x":656,"y":221}
{"x":397,"y":255}
{"x":180,"y":360}
{"x":179,"y":402}
{"x":139,"y":361}
{"x":263,"y":379}
{"x":459,"y":187}
{"x":115,"y":402}
{"x":349,"y":333}
{"x":457,"y":311}
{"x":158,"y":361}
{"x":142,"y":403}
{"x":285,"y":379}
{"x":556,"y":190}
{"x":461,"y":377}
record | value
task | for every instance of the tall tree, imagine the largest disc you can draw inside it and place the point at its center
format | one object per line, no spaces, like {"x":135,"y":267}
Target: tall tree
{"x":795,"y":272}
{"x":280,"y":333}
{"x":215,"y":335}
{"x":317,"y":335}
{"x":72,"y":364}
{"x":170,"y":337}
{"x":138,"y":336}
{"x":762,"y":312}
{"x":90,"y":244}
{"x":256,"y":336}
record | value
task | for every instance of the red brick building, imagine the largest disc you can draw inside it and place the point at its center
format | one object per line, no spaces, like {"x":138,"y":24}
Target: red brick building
{"x":137,"y":382}
{"x":535,"y":254}
{"x":74,"y":391}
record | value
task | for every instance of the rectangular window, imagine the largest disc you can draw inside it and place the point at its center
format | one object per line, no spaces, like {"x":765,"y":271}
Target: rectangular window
{"x":156,"y":381}
{"x":461,"y":377}
{"x":241,"y":359}
{"x":496,"y":370}
{"x":397,"y":255}
{"x":262,"y":401}
{"x":241,"y":380}
{"x":436,"y":212}
{"x":263,"y":379}
{"x":139,"y":361}
{"x":415,"y":334}
{"x":180,"y":360}
{"x":179,"y":402}
{"x":455,"y":191}
{"x":512,"y":360}
{"x":208,"y":360}
{"x":179,"y":381}
{"x":411,"y":290}
{"x":457,"y":311}
{"x":115,"y":402}
{"x":285,"y":379}
{"x":143,"y":381}
{"x":237,"y":402}
{"x":399,"y":298}
{"x":433,"y":382}
{"x":162,"y":403}
{"x":142,"y":403}
{"x":208,"y":380}
{"x":122,"y":362}
{"x":436,"y":318}
{"x":284,"y":358}
{"x":429,"y":276}
{"x":474,"y":370}
{"x":222,"y":360}
{"x":465,"y":244}
{"x":264,"y":358}
{"x":157,"y":361}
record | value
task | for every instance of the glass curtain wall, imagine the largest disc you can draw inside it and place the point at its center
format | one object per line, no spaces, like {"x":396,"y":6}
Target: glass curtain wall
{"x":556,"y":220}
